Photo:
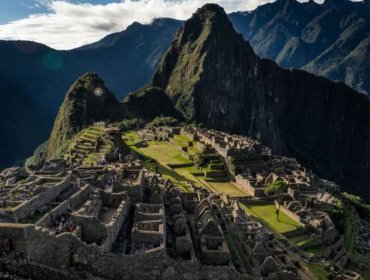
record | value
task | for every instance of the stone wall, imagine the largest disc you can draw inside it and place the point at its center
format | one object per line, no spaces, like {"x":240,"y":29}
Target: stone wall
{"x":95,"y":231}
{"x":74,"y":202}
{"x":43,"y":246}
{"x":245,"y":185}
{"x":92,"y":230}
{"x":115,"y":225}
{"x":31,"y":270}
{"x":112,"y":199}
{"x":215,"y":257}
{"x":31,"y":206}
{"x":289,"y":213}
{"x":117,"y":266}
{"x":17,"y":233}
{"x":53,"y":255}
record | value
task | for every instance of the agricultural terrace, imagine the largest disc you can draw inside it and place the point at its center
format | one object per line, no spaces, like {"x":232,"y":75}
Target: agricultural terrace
{"x":166,"y":155}
{"x":82,"y":149}
{"x":267,"y":213}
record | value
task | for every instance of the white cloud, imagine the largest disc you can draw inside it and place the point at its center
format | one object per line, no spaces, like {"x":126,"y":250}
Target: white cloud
{"x":68,"y":25}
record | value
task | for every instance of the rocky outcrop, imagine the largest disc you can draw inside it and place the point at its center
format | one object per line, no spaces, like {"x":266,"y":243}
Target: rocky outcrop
{"x":213,"y":76}
{"x":87,"y":101}
{"x":148,"y":103}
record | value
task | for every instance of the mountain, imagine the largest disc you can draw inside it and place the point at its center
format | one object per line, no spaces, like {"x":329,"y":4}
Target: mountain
{"x":213,"y":76}
{"x":330,"y":39}
{"x":87,"y":101}
{"x":20,"y":121}
{"x":126,"y":60}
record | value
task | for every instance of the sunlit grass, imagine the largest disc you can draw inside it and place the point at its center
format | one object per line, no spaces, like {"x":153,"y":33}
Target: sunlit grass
{"x":280,"y":223}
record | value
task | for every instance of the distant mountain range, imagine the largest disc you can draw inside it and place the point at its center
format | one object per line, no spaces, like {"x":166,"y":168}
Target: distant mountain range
{"x":211,"y":75}
{"x":330,"y":40}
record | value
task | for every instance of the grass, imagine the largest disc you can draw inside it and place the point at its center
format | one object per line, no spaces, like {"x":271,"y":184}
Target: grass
{"x":301,"y":240}
{"x":350,"y":222}
{"x":281,"y":224}
{"x":316,"y":250}
{"x":90,"y":134}
{"x":164,"y":153}
{"x":318,"y":271}
{"x":237,"y":257}
{"x":168,"y":173}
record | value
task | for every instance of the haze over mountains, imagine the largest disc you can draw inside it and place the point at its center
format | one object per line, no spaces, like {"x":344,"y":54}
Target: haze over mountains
{"x":330,"y":39}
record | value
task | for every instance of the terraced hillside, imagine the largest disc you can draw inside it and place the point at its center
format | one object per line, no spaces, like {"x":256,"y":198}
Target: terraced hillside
{"x":88,"y":147}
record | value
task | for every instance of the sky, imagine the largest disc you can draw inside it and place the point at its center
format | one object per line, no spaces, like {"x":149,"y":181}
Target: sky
{"x":67,"y":24}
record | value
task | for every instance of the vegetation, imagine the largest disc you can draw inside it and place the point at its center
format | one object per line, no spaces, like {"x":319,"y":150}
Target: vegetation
{"x":159,"y":155}
{"x":81,"y":107}
{"x":38,"y":157}
{"x":318,"y":271}
{"x":280,"y":222}
{"x":163,"y":121}
{"x":301,"y":240}
{"x":361,"y":206}
{"x":128,"y":124}
{"x":276,"y":188}
{"x":237,"y":256}
{"x":316,"y":250}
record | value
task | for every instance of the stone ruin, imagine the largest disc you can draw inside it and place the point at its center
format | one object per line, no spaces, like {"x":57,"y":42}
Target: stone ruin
{"x":118,"y":220}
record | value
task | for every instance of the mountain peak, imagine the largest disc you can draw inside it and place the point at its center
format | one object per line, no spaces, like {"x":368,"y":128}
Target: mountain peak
{"x":87,"y":101}
{"x":207,"y":41}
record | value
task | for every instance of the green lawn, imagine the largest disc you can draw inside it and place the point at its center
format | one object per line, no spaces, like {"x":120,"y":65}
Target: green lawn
{"x":267,"y":213}
{"x":301,"y":240}
{"x":316,"y":250}
{"x":165,"y":153}
{"x":318,"y":271}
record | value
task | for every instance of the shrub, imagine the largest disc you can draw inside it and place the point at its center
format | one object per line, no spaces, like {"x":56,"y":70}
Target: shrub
{"x":128,"y":124}
{"x":163,"y":121}
{"x":276,"y":187}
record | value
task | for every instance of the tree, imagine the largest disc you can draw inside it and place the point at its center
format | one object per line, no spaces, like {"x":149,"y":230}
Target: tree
{"x":276,"y":188}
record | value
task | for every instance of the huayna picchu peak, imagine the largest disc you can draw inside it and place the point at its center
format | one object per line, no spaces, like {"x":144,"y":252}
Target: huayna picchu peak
{"x":223,"y":166}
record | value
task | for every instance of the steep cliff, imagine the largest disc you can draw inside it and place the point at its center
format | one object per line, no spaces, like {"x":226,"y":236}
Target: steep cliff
{"x":87,"y":101}
{"x":213,"y":76}
{"x":329,"y":39}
